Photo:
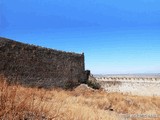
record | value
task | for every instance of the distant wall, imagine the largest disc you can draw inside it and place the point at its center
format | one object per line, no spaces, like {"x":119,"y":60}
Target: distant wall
{"x":41,"y":67}
{"x":143,"y":86}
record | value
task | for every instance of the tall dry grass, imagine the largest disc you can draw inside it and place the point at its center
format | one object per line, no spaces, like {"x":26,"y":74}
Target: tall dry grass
{"x":20,"y":103}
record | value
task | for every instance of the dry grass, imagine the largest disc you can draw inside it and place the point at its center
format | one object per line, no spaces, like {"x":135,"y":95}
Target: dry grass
{"x":19,"y":103}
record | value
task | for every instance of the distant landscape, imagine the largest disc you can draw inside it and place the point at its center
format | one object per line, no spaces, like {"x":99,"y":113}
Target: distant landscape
{"x":133,"y":84}
{"x":150,"y":75}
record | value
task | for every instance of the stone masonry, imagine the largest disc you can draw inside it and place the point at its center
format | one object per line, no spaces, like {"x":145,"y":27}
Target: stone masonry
{"x":31,"y":65}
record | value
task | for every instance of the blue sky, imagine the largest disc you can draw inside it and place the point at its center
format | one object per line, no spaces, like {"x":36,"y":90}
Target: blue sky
{"x":117,"y":36}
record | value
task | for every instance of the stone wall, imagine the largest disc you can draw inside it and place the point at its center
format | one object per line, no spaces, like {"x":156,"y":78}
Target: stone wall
{"x":42,"y":67}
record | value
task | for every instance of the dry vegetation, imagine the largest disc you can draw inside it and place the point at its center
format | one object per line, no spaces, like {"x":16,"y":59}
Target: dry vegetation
{"x":20,"y":103}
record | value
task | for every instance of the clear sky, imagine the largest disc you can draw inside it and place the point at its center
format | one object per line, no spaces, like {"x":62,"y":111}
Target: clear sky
{"x":117,"y":36}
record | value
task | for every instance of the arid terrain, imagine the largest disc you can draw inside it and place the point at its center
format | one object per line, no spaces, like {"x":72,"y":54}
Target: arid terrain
{"x":82,"y":103}
{"x":139,"y":84}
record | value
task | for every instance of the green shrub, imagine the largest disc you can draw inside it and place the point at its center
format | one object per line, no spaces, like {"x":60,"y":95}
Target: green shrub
{"x":93,"y":84}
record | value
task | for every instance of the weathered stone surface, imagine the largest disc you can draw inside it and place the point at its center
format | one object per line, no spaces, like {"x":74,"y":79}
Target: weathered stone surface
{"x":37,"y":66}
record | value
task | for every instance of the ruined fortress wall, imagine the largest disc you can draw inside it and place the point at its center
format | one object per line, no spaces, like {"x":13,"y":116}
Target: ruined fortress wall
{"x":41,"y":67}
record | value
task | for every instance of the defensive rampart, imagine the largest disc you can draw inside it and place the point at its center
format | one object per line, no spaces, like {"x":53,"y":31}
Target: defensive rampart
{"x":42,"y":67}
